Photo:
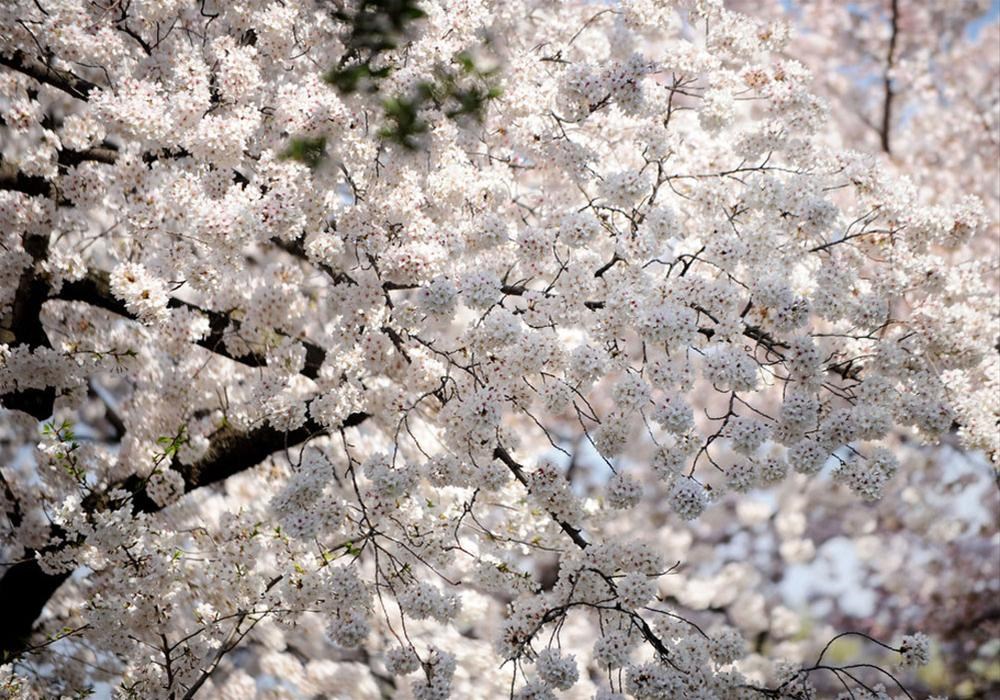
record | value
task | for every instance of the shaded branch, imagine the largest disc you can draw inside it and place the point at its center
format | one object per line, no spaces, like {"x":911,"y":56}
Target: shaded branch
{"x":518,"y":471}
{"x":25,"y":326}
{"x":25,"y":588}
{"x":14,"y":180}
{"x":95,"y":289}
{"x":887,"y":79}
{"x":44,"y":73}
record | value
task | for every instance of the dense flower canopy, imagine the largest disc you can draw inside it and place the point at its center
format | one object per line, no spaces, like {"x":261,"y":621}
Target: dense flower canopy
{"x":427,"y":349}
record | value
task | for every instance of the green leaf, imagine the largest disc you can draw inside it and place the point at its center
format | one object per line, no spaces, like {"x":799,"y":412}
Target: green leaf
{"x":309,"y":151}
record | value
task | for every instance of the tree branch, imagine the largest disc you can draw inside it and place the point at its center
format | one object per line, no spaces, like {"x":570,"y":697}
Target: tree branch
{"x":25,"y":588}
{"x":94,"y":289}
{"x":887,"y":79}
{"x":25,"y":325}
{"x":14,"y":180}
{"x":518,"y":471}
{"x":44,"y":73}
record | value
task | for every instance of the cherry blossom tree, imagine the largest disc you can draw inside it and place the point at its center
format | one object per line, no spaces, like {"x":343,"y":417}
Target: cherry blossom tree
{"x":917,"y":80}
{"x":399,"y":348}
{"x":922,"y":76}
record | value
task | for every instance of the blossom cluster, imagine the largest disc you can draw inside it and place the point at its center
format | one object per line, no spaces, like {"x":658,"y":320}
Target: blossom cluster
{"x":436,"y":405}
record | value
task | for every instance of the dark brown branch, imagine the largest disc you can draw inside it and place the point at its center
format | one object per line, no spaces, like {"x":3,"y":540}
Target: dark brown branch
{"x":25,"y":325}
{"x":887,"y":79}
{"x":101,"y":154}
{"x":13,"y":180}
{"x":26,"y":589}
{"x":122,"y":26}
{"x":94,"y":289}
{"x":518,"y":471}
{"x":608,"y":265}
{"x":232,"y":452}
{"x":44,"y":73}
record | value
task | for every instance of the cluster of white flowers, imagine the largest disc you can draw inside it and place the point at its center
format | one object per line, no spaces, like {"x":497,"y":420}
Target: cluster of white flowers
{"x":623,"y":491}
{"x":551,"y":491}
{"x":688,"y":498}
{"x":143,"y":294}
{"x":673,"y":414}
{"x":557,"y":670}
{"x":617,"y":272}
{"x":480,"y":289}
{"x":613,"y":649}
{"x":440,"y":671}
{"x":165,"y":486}
{"x":915,"y":650}
{"x":422,"y":600}
{"x":867,"y":476}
